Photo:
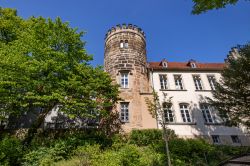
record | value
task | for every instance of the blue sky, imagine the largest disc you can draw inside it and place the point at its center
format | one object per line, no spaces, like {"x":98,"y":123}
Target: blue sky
{"x":172,"y":31}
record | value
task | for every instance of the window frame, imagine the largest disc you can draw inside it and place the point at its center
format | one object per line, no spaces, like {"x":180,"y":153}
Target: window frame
{"x":211,"y":80}
{"x":180,"y":82}
{"x":167,"y":111}
{"x":235,"y":139}
{"x":125,"y":44}
{"x":185,"y":113}
{"x":198,"y":82}
{"x":163,"y":82}
{"x":206,"y":113}
{"x":124,"y":80}
{"x":216,"y":139}
{"x":124,"y":112}
{"x":121,"y":44}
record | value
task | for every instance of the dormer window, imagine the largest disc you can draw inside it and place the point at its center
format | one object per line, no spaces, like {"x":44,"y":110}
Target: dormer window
{"x":193,"y":65}
{"x":121,"y":44}
{"x":164,"y":64}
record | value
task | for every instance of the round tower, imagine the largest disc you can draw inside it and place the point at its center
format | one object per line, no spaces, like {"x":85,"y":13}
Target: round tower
{"x":125,"y":60}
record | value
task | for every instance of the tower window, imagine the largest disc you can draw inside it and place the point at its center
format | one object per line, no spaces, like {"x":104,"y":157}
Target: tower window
{"x":178,"y":82}
{"x":206,"y":112}
{"x":168,"y":113}
{"x":124,"y":80}
{"x":163,"y":81}
{"x":211,"y":80}
{"x":126,"y":44}
{"x":185,"y":113}
{"x":124,"y":113}
{"x":197,"y":82}
{"x":121,"y":44}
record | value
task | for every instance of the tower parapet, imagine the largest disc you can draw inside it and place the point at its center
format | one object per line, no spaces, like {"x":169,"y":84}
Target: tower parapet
{"x":125,"y":27}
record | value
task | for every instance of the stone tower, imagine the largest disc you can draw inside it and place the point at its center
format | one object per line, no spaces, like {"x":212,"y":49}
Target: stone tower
{"x":126,"y":61}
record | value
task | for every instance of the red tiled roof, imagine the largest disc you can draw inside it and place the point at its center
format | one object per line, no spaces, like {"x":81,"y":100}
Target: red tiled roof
{"x":186,"y":66}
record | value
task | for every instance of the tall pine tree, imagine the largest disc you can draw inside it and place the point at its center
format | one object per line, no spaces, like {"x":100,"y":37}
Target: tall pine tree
{"x":232,"y":94}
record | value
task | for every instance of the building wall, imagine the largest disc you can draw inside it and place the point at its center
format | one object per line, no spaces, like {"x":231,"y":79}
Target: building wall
{"x":198,"y":127}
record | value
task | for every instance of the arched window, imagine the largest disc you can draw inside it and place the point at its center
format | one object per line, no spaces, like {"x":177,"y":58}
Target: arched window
{"x":121,"y":44}
{"x":185,"y":114}
{"x":168,"y":113}
{"x":126,"y":44}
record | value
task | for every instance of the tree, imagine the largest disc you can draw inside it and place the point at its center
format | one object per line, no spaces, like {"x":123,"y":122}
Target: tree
{"x":201,"y":6}
{"x":157,"y":111}
{"x":43,"y":65}
{"x":232,"y":94}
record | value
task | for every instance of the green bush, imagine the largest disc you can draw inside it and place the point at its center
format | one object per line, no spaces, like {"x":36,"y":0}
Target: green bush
{"x":47,"y":155}
{"x":148,"y":136}
{"x":10,"y":151}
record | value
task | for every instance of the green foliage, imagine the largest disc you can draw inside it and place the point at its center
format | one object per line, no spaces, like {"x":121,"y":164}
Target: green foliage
{"x":10,"y":151}
{"x":44,"y":64}
{"x":201,"y":6}
{"x":232,"y":95}
{"x":148,"y":136}
{"x":47,"y":155}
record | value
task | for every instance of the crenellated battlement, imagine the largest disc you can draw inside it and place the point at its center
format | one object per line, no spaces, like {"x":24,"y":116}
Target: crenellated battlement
{"x":125,"y":27}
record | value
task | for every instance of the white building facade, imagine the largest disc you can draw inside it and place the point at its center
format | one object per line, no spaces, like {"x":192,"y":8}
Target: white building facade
{"x":190,"y":116}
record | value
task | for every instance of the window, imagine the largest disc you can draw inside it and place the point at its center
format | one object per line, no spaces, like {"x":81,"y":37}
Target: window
{"x":185,"y":113}
{"x":193,"y":65}
{"x":124,"y":114}
{"x":163,"y":81}
{"x":126,"y":44}
{"x":211,"y":80}
{"x":178,"y":82}
{"x":235,"y":139}
{"x":197,"y":82}
{"x":206,"y":113}
{"x":121,"y":44}
{"x":168,"y":114}
{"x":165,"y":65}
{"x":124,"y":80}
{"x":216,"y":139}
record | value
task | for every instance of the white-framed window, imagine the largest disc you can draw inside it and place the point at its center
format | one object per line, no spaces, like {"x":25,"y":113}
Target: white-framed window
{"x":165,"y":64}
{"x":212,"y":81}
{"x":163,"y":81}
{"x":197,"y":82}
{"x":168,"y":113}
{"x":124,"y":112}
{"x":178,"y":82}
{"x":121,"y":44}
{"x":193,"y":65}
{"x":185,"y":114}
{"x":216,"y":139}
{"x":235,"y":139}
{"x":124,"y":80}
{"x":206,"y":112}
{"x":126,"y":44}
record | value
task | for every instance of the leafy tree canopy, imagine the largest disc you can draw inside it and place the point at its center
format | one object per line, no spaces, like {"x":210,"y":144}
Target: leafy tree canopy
{"x":232,"y":95}
{"x":44,"y":64}
{"x":201,"y":6}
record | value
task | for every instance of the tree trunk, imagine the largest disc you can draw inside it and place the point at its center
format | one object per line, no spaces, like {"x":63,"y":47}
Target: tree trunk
{"x":166,"y":144}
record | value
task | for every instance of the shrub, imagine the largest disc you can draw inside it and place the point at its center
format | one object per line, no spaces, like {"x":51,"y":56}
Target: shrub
{"x":148,"y":136}
{"x":10,"y":151}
